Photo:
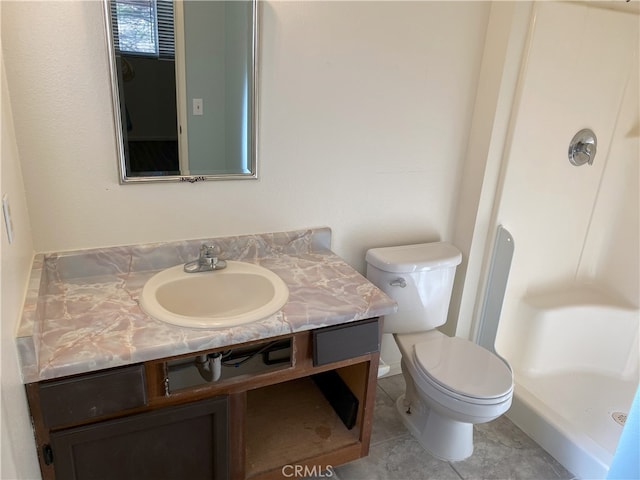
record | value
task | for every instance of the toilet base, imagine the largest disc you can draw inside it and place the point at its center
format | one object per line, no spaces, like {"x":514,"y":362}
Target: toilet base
{"x":442,"y":437}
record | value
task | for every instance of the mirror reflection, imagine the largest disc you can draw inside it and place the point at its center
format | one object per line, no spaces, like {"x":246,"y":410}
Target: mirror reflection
{"x":184,"y":88}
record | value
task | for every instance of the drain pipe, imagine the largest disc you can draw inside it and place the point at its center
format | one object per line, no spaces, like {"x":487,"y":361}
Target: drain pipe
{"x":209,"y":366}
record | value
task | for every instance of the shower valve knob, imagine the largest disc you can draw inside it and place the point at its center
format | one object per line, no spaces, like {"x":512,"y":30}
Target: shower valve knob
{"x":583,"y":147}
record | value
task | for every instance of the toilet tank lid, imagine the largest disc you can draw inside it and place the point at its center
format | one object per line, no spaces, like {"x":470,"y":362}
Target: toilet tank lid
{"x":413,"y":258}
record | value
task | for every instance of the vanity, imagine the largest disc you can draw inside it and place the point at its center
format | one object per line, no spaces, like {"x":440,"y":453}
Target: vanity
{"x":115,"y":393}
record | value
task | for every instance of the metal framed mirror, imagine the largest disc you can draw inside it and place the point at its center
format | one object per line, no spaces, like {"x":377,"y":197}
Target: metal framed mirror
{"x":184,"y":88}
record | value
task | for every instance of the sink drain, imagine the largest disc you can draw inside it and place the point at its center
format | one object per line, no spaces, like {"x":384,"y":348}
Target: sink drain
{"x":619,"y":417}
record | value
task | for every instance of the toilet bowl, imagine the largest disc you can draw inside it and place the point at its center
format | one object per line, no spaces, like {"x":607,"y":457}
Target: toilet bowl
{"x":451,"y":383}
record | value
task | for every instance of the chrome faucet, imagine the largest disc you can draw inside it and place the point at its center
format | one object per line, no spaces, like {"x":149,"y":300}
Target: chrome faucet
{"x":207,"y":261}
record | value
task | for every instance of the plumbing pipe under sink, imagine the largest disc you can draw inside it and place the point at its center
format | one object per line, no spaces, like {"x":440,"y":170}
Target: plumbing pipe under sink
{"x":209,"y":366}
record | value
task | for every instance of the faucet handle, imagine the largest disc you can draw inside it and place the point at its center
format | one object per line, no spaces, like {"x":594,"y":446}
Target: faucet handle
{"x":209,"y":250}
{"x":207,"y":261}
{"x":209,"y":257}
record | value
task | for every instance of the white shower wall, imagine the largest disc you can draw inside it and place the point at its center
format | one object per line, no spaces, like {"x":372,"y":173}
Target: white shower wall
{"x":611,"y":254}
{"x":573,"y":224}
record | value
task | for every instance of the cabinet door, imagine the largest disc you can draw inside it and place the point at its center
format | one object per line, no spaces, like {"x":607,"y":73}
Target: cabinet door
{"x":182,"y":442}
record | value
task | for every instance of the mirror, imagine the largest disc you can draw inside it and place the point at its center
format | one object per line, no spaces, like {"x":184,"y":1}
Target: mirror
{"x":184,"y":88}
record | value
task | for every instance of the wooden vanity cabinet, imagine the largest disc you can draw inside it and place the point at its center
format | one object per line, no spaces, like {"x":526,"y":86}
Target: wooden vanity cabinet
{"x":102,"y":426}
{"x":310,"y":412}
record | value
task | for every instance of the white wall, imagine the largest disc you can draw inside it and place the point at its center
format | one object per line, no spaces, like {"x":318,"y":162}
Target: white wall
{"x":611,"y":253}
{"x":17,"y":448}
{"x":364,"y":117}
{"x":205,"y":56}
{"x":504,"y":51}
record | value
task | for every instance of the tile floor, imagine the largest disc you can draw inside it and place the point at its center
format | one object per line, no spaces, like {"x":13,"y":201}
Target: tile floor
{"x":502,"y":451}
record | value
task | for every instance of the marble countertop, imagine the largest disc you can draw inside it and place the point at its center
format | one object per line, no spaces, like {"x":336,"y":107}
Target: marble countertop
{"x":81,"y":312}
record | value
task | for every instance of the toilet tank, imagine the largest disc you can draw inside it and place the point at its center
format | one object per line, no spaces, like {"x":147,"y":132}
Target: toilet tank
{"x":419,"y":278}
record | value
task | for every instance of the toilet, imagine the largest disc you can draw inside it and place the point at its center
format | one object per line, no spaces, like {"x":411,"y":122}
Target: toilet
{"x":451,"y":383}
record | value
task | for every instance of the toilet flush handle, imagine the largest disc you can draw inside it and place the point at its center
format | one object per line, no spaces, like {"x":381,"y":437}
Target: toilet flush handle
{"x":398,"y":282}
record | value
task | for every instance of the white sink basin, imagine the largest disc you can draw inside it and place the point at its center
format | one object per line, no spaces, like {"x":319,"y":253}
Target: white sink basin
{"x":239,"y":294}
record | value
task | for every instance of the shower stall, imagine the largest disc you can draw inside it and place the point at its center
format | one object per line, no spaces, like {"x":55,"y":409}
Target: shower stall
{"x":569,"y":318}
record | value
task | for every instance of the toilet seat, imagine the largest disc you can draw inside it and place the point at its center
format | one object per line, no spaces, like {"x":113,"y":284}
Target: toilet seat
{"x":463,"y":370}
